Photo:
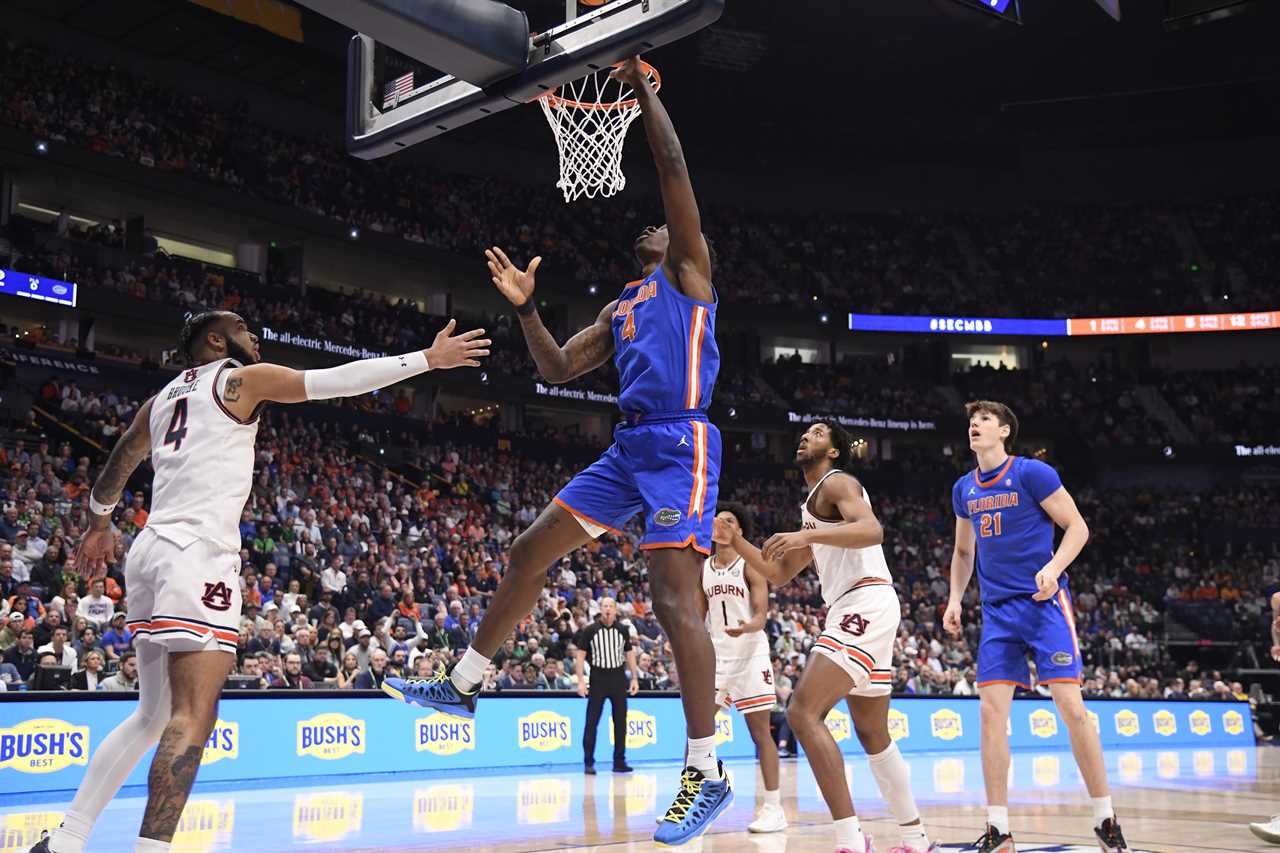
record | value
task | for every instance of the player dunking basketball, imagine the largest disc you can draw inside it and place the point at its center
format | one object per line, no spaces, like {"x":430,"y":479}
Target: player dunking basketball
{"x":853,"y":658}
{"x":664,"y":462}
{"x":1026,"y":607}
{"x":183,"y":572}
{"x":737,"y":600}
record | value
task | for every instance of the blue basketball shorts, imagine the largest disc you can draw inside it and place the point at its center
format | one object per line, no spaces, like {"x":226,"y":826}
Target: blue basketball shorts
{"x":1012,"y":626}
{"x":667,"y":467}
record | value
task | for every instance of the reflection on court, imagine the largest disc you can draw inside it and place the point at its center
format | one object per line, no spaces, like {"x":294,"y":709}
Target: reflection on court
{"x":1170,"y":800}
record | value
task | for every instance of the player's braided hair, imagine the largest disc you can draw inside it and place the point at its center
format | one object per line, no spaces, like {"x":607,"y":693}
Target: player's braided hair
{"x":745,"y":519}
{"x":193,"y":328}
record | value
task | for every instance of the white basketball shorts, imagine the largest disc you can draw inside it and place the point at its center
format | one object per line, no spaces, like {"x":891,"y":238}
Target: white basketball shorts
{"x":858,"y":637}
{"x":745,"y":683}
{"x":186,"y":599}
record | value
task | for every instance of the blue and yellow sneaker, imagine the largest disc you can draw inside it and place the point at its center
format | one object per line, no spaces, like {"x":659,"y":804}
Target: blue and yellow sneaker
{"x":700,"y":801}
{"x":437,"y":692}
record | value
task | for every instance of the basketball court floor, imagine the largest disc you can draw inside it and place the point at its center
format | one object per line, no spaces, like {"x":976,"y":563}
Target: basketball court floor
{"x":1170,"y":801}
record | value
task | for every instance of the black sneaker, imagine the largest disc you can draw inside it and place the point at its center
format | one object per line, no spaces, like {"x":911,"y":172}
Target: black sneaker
{"x":994,"y":841}
{"x":42,"y":846}
{"x":1110,"y":838}
{"x":436,"y":692}
{"x":622,"y":768}
{"x":590,"y":770}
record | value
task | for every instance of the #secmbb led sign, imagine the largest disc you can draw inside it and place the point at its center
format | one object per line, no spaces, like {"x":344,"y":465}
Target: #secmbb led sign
{"x":1158,"y":324}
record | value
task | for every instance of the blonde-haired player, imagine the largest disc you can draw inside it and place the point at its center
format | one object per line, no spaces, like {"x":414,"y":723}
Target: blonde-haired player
{"x":183,"y":573}
{"x":737,"y":601}
{"x":853,"y":658}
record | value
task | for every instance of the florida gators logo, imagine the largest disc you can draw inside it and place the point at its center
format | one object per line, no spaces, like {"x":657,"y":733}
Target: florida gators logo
{"x":217,"y":596}
{"x":855,"y":624}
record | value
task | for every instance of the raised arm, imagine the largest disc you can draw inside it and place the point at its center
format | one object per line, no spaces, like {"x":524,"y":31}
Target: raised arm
{"x":861,"y":528}
{"x":582,"y":353}
{"x":961,"y":573}
{"x":249,"y":386}
{"x":98,"y":542}
{"x":688,"y":260}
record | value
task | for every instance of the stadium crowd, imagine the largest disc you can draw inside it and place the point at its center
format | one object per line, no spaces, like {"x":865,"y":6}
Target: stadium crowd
{"x":1045,"y":261}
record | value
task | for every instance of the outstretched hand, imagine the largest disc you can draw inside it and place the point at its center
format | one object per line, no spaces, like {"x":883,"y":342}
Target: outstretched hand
{"x":512,"y":282}
{"x":631,"y":72}
{"x":462,"y":350}
{"x":90,"y":558}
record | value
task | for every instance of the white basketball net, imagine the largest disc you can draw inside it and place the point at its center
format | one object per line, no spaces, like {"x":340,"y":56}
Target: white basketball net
{"x":590,"y":118}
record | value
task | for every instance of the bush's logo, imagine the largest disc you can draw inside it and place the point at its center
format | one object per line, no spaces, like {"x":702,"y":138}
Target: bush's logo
{"x":899,"y":726}
{"x":1165,"y":722}
{"x":543,"y":801}
{"x":43,"y":746}
{"x":327,"y":816}
{"x":640,"y":793}
{"x":948,"y":775}
{"x":444,"y":734}
{"x":20,"y":831}
{"x":1046,"y":770}
{"x":946,"y":724}
{"x":1233,"y":722}
{"x":1127,"y":724}
{"x":1202,"y":761}
{"x":205,"y":825}
{"x":223,"y":742}
{"x":1167,"y":765}
{"x":839,"y":724}
{"x":1044,"y":723}
{"x":724,"y":728}
{"x":330,"y":736}
{"x":443,"y":808}
{"x":1200,"y":723}
{"x":1237,"y":763}
{"x":1131,"y":766}
{"x":544,"y":731}
{"x":642,"y":730}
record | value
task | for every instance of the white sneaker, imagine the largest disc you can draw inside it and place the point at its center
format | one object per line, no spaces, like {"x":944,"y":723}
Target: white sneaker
{"x":770,"y":818}
{"x":1269,"y":831}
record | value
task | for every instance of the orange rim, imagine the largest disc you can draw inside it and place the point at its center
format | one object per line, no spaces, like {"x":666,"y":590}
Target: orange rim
{"x":555,"y":100}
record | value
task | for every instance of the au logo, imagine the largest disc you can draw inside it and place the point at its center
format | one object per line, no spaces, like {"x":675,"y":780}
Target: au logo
{"x":1044,"y":723}
{"x":327,"y":816}
{"x":444,"y":734}
{"x":20,"y":831}
{"x":1127,"y":724}
{"x":1046,"y":770}
{"x":1131,"y":766}
{"x":724,"y":728}
{"x":1165,"y":722}
{"x":1233,"y":722}
{"x":543,"y":801}
{"x":330,"y":736}
{"x":223,"y":742}
{"x":43,"y":746}
{"x":642,"y":729}
{"x":1201,"y":724}
{"x":443,"y":808}
{"x":948,"y":775}
{"x":545,"y":731}
{"x":946,"y":724}
{"x":839,"y":724}
{"x":205,"y":825}
{"x":899,"y":726}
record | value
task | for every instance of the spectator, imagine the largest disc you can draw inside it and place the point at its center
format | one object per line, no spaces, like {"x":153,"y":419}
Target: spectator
{"x":348,"y":671}
{"x":126,"y":677}
{"x":371,"y":678}
{"x":293,"y":677}
{"x":23,"y":656}
{"x":96,"y":606}
{"x":89,"y":677}
{"x":60,"y":649}
{"x":118,"y":639}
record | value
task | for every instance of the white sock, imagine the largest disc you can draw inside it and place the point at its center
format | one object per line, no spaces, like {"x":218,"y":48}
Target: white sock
{"x":998,"y":816}
{"x":773,"y":798}
{"x":469,"y":672}
{"x":849,"y":834}
{"x":893,"y":777}
{"x":120,"y":751}
{"x":701,"y":754}
{"x":150,"y":845}
{"x":914,"y":837}
{"x":72,"y":835}
{"x":1102,"y":810}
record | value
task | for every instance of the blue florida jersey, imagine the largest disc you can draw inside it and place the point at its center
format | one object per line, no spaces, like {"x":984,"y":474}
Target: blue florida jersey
{"x":1014,"y":534}
{"x":664,"y":348}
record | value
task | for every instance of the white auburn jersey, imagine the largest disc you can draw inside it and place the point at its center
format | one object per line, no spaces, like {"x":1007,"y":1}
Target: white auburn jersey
{"x":728,"y":603}
{"x":842,"y":569}
{"x":203,"y":459}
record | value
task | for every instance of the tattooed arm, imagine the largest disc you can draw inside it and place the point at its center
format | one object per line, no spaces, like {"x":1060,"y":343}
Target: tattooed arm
{"x":582,"y":353}
{"x":98,"y":541}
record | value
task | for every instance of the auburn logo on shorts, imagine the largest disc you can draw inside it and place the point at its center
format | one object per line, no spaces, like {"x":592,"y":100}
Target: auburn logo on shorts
{"x":855,"y":624}
{"x":217,"y":596}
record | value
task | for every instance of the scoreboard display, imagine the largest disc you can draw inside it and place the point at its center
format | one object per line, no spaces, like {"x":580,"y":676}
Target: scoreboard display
{"x":14,"y":283}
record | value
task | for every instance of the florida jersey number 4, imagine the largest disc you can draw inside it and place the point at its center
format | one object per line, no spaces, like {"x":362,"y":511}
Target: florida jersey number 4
{"x":629,"y":327}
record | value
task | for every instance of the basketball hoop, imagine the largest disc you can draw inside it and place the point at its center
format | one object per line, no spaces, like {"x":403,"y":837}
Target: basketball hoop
{"x":590,"y":118}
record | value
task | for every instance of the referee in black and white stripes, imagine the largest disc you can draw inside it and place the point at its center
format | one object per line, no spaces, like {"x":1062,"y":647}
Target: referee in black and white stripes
{"x":609,"y":646}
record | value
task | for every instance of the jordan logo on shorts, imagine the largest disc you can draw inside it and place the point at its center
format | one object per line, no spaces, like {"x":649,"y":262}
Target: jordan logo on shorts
{"x":216,"y":596}
{"x":684,"y":441}
{"x":854,"y":624}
